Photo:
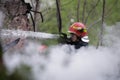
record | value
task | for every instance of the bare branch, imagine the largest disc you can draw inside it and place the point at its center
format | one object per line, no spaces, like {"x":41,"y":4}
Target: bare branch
{"x":93,"y":8}
{"x":108,"y":14}
{"x":95,"y":22}
{"x":110,"y":9}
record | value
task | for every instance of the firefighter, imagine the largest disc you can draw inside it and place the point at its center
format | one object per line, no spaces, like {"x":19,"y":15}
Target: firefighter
{"x":78,"y":35}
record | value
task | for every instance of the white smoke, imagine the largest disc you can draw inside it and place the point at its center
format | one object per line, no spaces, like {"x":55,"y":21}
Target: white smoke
{"x":44,"y":4}
{"x":65,"y":63}
{"x":47,"y":4}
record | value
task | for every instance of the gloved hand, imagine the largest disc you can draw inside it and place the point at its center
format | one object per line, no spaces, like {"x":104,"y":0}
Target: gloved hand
{"x":63,"y":38}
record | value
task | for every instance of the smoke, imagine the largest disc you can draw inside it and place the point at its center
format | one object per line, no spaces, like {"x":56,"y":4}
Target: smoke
{"x":47,"y":4}
{"x":44,"y":4}
{"x":63,"y":62}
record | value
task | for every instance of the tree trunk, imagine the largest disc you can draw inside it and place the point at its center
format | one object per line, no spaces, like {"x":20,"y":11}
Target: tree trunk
{"x":84,"y":9}
{"x":100,"y":43}
{"x":16,"y":11}
{"x":59,"y":20}
{"x":36,"y":14}
{"x":78,"y":11}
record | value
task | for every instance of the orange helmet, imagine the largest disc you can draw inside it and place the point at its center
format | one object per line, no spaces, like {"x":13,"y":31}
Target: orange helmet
{"x":78,"y":28}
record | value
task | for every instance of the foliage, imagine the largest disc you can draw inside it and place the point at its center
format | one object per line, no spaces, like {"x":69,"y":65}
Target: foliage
{"x":92,"y":14}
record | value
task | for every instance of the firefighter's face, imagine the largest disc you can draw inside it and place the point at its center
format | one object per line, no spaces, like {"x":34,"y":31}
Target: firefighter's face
{"x":73,"y":37}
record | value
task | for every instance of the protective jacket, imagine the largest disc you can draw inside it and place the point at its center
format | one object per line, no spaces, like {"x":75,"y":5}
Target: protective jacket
{"x":77,"y":44}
